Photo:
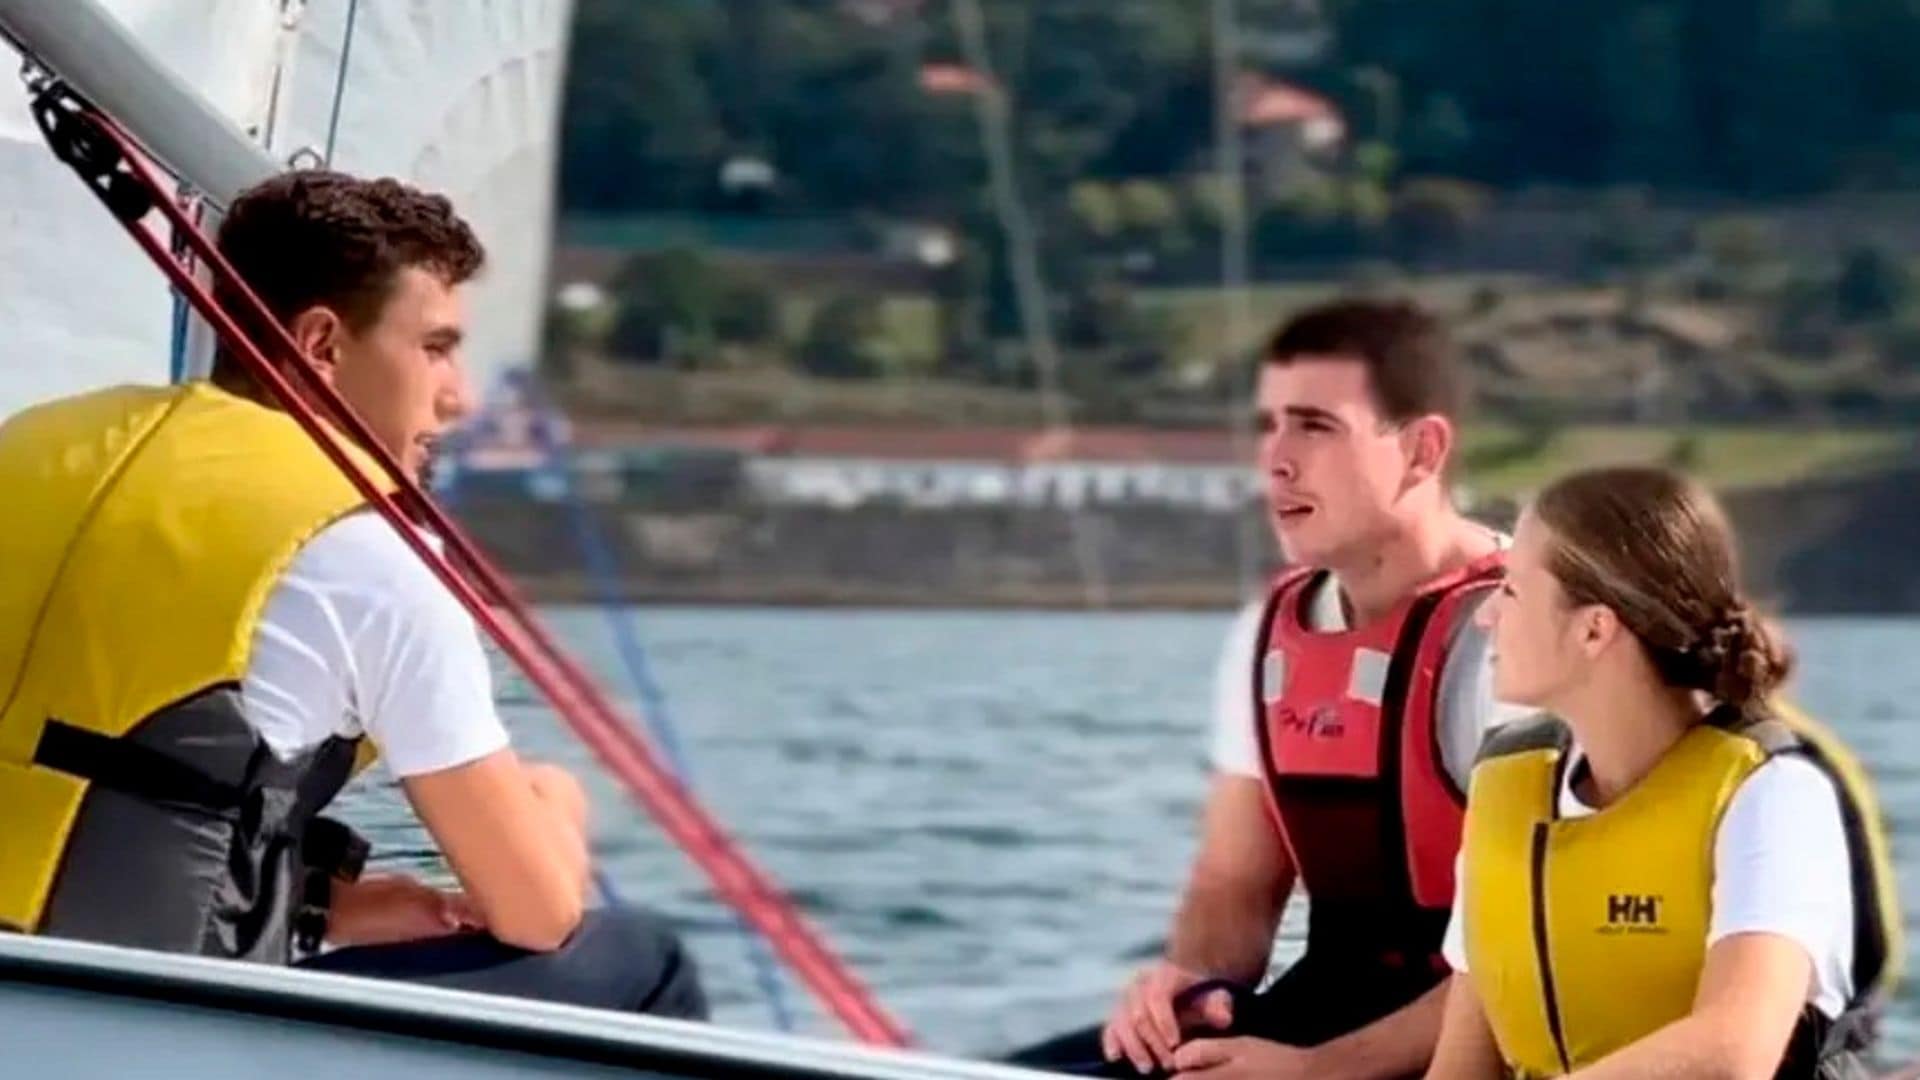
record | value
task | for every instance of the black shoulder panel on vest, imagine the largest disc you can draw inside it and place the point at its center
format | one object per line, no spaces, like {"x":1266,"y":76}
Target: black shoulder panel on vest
{"x":1870,"y":932}
{"x":1773,"y":736}
{"x":1543,"y":731}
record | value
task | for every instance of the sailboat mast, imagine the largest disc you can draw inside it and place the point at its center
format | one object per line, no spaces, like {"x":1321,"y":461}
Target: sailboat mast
{"x":81,"y":43}
{"x":993,"y":107}
{"x":1237,"y":316}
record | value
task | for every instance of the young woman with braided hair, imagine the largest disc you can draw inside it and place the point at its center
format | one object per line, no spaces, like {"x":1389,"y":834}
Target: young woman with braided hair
{"x":1663,"y":875}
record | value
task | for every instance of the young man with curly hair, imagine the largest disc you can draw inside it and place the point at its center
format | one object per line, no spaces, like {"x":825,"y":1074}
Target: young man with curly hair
{"x":202,"y":625}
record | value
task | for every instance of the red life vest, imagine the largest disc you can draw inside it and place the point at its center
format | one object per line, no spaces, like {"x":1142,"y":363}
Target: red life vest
{"x":1349,"y":742}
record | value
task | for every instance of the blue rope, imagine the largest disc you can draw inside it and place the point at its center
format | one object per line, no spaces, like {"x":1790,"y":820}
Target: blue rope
{"x":177,"y":352}
{"x":340,"y":78}
{"x":605,"y":572}
{"x":604,"y":569}
{"x":177,"y":362}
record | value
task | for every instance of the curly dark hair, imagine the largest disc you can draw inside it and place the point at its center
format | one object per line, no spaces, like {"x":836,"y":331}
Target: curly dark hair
{"x":316,"y":237}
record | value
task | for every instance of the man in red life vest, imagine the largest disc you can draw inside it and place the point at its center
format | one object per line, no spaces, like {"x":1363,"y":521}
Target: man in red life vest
{"x":1349,"y":706}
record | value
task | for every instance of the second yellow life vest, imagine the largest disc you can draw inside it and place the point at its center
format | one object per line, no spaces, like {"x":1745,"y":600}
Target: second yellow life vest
{"x":1586,"y":934}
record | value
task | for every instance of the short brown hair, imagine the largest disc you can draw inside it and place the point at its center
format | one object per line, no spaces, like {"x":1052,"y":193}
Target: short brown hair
{"x":316,"y":237}
{"x":1408,"y":356}
{"x":1656,"y":548}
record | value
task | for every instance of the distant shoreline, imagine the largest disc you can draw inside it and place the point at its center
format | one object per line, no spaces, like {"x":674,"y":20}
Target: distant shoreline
{"x":1831,"y":546}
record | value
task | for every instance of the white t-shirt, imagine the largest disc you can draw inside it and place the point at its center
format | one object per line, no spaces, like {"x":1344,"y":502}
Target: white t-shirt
{"x":359,"y":638}
{"x":1779,"y":867}
{"x":1467,"y":705}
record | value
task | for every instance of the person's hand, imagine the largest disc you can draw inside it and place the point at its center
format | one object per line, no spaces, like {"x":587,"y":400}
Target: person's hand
{"x":1242,"y":1059}
{"x":381,"y":909}
{"x":1145,"y":1027}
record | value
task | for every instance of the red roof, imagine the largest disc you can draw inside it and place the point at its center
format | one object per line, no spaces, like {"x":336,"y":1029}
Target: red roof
{"x":911,"y":444}
{"x":939,"y":78}
{"x":1199,"y":447}
{"x":1265,"y":101}
{"x":610,"y":435}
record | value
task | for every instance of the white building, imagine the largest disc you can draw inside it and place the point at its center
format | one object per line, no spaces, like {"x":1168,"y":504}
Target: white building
{"x":850,"y":482}
{"x":930,"y":468}
{"x":934,"y":468}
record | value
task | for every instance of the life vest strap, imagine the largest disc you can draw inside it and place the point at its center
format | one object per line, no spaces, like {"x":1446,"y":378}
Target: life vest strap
{"x":125,"y":766}
{"x":329,"y":851}
{"x":334,"y":849}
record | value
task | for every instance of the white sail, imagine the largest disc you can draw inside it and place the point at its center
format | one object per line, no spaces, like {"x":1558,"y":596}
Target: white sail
{"x":82,"y":307}
{"x":457,"y":95}
{"x":461,"y":97}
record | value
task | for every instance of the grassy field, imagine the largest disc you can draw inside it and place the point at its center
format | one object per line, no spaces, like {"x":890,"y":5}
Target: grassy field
{"x":1505,"y":461}
{"x":780,"y":396}
{"x":1196,"y":318}
{"x":909,"y":328}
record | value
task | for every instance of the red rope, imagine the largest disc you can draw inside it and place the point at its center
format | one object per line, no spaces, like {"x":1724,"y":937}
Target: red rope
{"x":573,"y":694}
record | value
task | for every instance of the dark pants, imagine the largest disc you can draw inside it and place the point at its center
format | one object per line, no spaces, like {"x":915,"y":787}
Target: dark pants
{"x":1319,"y":998}
{"x":620,"y":958}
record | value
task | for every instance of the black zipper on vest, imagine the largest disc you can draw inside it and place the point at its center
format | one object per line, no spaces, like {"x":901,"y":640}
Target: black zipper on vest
{"x":1552,"y":1002}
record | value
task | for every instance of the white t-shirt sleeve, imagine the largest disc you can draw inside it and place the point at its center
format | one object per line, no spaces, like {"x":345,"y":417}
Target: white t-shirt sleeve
{"x":1235,"y":748}
{"x":359,"y":638}
{"x":1453,"y":945}
{"x":1780,"y":867}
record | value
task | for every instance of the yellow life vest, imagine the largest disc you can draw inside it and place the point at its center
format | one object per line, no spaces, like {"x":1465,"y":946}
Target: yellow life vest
{"x":146,"y":527}
{"x":1584,"y":935}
